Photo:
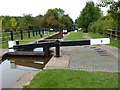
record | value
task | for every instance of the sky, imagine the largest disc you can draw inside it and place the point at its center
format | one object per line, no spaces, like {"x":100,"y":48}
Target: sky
{"x":37,"y":7}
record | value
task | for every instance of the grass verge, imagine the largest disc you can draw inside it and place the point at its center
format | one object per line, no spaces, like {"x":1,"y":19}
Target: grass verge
{"x":113,"y":42}
{"x":62,"y":78}
{"x":26,"y":40}
{"x":75,"y":36}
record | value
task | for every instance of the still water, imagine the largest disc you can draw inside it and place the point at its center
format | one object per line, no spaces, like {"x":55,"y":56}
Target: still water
{"x":13,"y":67}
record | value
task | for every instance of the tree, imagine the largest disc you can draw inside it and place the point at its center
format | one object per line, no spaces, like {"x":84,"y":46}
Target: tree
{"x":89,"y":14}
{"x":13,"y":23}
{"x":3,"y":22}
{"x":29,"y":20}
{"x":114,"y":9}
{"x":115,"y":13}
{"x":37,"y":21}
{"x":22,"y":23}
{"x":52,"y":18}
{"x":67,"y":22}
{"x":6,"y":23}
{"x":0,"y":24}
{"x":101,"y":25}
{"x":56,"y":19}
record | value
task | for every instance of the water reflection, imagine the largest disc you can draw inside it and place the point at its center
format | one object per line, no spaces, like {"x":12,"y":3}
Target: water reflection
{"x":13,"y":67}
{"x":26,"y":61}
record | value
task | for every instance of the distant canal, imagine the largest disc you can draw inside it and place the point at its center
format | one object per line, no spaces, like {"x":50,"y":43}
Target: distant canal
{"x":13,"y":67}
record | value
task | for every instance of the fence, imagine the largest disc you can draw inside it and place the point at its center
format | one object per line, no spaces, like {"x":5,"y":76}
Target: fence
{"x":14,"y":35}
{"x":114,"y":34}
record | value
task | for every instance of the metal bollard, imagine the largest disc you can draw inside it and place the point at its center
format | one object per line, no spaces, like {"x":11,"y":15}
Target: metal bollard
{"x":17,"y":42}
{"x":57,"y":45}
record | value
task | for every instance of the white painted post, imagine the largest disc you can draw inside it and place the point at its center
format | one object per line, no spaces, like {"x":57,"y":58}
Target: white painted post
{"x":11,"y":44}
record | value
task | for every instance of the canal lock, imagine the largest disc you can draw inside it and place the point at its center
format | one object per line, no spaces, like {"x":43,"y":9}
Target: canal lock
{"x":14,"y":66}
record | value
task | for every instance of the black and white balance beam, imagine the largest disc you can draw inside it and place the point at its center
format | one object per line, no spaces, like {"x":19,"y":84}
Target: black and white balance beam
{"x":100,"y":41}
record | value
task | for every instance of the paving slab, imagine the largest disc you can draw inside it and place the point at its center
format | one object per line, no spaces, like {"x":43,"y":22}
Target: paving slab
{"x":93,"y":58}
{"x":61,"y":62}
{"x":89,"y":58}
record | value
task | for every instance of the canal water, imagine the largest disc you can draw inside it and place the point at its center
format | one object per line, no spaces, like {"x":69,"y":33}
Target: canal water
{"x":13,"y":67}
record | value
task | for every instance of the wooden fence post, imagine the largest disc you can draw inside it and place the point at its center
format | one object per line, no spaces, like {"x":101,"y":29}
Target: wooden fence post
{"x":21,"y":33}
{"x":28,"y":33}
{"x":11,"y":33}
{"x":33,"y":32}
{"x":36,"y":31}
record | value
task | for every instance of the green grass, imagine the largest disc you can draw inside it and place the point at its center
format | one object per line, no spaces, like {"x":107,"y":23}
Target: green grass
{"x":26,"y":40}
{"x":75,"y":36}
{"x":61,"y":78}
{"x":95,"y":35}
{"x":113,"y":42}
{"x":4,"y":46}
{"x":32,"y":39}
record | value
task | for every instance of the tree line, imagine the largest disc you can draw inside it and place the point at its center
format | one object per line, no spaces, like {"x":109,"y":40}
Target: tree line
{"x":54,"y":18}
{"x":91,"y":18}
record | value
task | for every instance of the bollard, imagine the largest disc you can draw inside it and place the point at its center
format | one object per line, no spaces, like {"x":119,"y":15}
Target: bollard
{"x":57,"y":46}
{"x":17,"y":42}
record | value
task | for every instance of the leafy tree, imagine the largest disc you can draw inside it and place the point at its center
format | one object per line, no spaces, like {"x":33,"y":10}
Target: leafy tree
{"x":37,"y":21}
{"x":101,"y":25}
{"x":89,"y":14}
{"x":6,"y":23}
{"x":22,"y":23}
{"x":55,"y":18}
{"x":114,"y":10}
{"x":29,"y":20}
{"x":115,"y":13}
{"x":67,"y":22}
{"x":1,"y":21}
{"x":51,"y":19}
{"x":13,"y":23}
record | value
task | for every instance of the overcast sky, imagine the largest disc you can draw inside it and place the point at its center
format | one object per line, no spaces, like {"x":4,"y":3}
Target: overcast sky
{"x":36,"y":7}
